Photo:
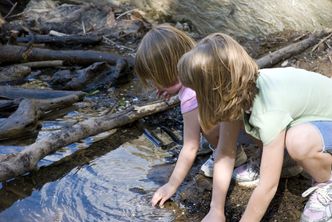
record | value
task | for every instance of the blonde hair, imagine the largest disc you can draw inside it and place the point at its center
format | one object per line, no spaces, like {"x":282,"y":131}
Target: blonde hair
{"x":223,"y":76}
{"x":158,"y":54}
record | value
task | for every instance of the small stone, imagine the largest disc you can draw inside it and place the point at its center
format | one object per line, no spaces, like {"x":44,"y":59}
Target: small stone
{"x":285,"y":63}
{"x":179,"y":26}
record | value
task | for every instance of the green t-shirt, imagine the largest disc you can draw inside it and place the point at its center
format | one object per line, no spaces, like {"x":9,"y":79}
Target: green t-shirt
{"x":286,"y":97}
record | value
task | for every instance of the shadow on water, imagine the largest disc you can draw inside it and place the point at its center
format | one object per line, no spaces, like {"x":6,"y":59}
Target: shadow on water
{"x":106,"y":182}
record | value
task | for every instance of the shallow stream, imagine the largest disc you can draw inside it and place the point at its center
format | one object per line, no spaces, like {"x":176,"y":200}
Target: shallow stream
{"x":111,"y":180}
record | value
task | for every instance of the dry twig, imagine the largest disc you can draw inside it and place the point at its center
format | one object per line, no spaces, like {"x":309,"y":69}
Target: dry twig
{"x":11,"y":10}
{"x":321,"y":41}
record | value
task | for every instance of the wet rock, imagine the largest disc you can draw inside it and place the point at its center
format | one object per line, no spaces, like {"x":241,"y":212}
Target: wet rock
{"x":238,"y":17}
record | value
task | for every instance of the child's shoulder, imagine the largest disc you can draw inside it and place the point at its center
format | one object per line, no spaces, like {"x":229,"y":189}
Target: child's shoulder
{"x":186,"y":93}
{"x":285,"y":71}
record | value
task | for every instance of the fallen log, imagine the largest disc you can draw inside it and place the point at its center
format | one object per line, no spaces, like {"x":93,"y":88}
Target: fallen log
{"x":2,"y":21}
{"x":61,"y":40}
{"x":96,"y":76}
{"x":11,"y":92}
{"x":19,"y":163}
{"x":46,"y":105}
{"x":24,"y":120}
{"x":79,"y":79}
{"x":13,"y":73}
{"x":273,"y":58}
{"x":17,"y":54}
{"x":44,"y":64}
{"x":5,"y":104}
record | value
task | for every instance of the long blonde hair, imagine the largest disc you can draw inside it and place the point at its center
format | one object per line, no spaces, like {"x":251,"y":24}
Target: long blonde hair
{"x":158,"y":54}
{"x":223,"y":76}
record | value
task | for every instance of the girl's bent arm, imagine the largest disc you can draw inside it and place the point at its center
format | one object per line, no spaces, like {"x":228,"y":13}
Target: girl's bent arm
{"x":270,"y":170}
{"x":223,"y":168}
{"x":185,"y":159}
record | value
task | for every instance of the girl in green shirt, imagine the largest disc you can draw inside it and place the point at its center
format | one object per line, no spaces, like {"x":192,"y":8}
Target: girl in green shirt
{"x":283,"y":107}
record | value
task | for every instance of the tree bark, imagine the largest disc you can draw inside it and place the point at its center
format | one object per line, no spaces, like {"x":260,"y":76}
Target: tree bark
{"x":44,"y":64}
{"x":2,"y":21}
{"x":240,"y":17}
{"x":13,"y":73}
{"x":63,"y":40}
{"x":16,"y":54}
{"x":273,"y":58}
{"x":11,"y":92}
{"x":25,"y":119}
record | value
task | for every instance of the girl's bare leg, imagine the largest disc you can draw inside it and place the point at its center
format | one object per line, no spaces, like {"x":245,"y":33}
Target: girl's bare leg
{"x":305,"y":145}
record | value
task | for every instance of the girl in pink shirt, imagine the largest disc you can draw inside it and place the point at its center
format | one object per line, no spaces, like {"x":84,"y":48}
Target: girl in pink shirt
{"x":156,"y":63}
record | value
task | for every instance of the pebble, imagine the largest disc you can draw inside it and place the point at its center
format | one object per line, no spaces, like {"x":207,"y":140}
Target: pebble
{"x":285,"y":63}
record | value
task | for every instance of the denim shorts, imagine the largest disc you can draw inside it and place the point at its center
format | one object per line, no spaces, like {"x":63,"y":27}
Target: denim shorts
{"x":325,"y":129}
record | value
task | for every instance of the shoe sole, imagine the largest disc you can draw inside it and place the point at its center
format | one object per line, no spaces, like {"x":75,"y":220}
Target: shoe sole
{"x":292,"y":171}
{"x":206,"y":174}
{"x":248,"y":184}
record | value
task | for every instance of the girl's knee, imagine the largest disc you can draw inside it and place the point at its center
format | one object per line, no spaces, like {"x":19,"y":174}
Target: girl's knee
{"x":302,"y":140}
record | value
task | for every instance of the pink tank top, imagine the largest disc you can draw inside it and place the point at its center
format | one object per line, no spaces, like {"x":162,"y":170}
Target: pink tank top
{"x":188,"y":99}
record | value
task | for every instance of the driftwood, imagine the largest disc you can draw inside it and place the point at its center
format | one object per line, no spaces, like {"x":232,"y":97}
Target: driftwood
{"x":62,"y":40}
{"x":7,"y":104}
{"x":96,"y":76}
{"x":16,"y":92}
{"x":44,"y":64}
{"x":19,"y":163}
{"x":290,"y":50}
{"x":13,"y":73}
{"x":16,"y":54}
{"x":25,"y":119}
{"x":2,"y":21}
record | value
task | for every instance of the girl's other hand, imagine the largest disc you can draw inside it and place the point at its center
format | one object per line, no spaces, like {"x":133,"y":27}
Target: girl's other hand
{"x":163,"y":194}
{"x":163,"y":94}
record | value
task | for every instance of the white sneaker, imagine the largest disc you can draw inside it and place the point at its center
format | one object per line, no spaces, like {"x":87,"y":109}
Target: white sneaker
{"x":248,"y":175}
{"x":319,"y":206}
{"x":207,"y":167}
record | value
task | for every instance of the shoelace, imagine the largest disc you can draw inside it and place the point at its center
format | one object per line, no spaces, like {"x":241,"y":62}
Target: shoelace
{"x":321,"y":190}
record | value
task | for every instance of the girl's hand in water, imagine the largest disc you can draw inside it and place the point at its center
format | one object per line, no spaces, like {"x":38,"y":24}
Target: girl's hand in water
{"x":214,"y":215}
{"x":163,"y":194}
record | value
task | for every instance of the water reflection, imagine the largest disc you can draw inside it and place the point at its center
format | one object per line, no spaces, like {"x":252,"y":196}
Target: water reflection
{"x":95,"y":184}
